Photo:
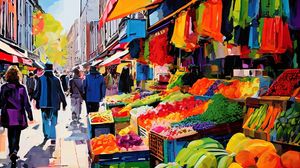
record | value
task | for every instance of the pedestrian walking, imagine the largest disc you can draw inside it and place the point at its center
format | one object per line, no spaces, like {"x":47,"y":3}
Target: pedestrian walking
{"x":49,"y":96}
{"x":125,"y":81}
{"x":64,"y":81}
{"x":94,"y":89}
{"x":14,"y":104}
{"x":30,"y":84}
{"x":76,"y":90}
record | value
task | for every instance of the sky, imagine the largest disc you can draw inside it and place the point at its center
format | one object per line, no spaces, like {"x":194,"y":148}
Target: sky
{"x":65,"y":11}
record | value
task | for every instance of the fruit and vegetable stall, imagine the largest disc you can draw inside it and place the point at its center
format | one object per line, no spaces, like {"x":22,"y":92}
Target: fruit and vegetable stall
{"x":216,"y":123}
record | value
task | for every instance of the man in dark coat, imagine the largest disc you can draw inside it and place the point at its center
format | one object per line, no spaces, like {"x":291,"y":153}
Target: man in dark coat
{"x":49,"y":95}
{"x":94,"y":89}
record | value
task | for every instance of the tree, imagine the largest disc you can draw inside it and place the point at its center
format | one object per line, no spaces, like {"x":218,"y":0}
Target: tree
{"x":50,"y":41}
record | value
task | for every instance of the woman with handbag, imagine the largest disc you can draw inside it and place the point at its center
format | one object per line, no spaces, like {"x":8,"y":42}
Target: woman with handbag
{"x":14,"y":103}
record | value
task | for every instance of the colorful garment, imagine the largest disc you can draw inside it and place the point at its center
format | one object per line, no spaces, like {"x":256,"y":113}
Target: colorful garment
{"x":183,"y":37}
{"x":209,"y":19}
{"x":275,"y":36}
{"x":158,"y":48}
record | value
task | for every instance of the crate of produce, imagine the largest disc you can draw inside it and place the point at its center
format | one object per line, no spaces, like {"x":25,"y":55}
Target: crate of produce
{"x":121,"y":157}
{"x":222,"y":129}
{"x":118,"y":104}
{"x":166,"y":150}
{"x":261,"y":114}
{"x":141,"y":164}
{"x":121,"y":125}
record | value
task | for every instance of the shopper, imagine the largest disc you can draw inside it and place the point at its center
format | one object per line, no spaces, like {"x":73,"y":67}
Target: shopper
{"x":14,"y":102}
{"x":76,"y":90}
{"x":125,"y":81}
{"x":49,"y":96}
{"x":64,"y":81}
{"x":94,"y":89}
{"x":30,"y":84}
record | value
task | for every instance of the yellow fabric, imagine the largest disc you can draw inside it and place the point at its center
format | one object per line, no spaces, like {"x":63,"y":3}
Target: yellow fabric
{"x":120,"y":67}
{"x":126,"y":7}
{"x":179,"y":31}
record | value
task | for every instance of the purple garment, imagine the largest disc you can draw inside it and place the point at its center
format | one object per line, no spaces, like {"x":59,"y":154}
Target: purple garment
{"x":14,"y":103}
{"x":295,"y":15}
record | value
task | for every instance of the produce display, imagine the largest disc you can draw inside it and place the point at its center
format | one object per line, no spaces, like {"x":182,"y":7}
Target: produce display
{"x":140,"y":110}
{"x":104,"y":144}
{"x":171,"y":112}
{"x":118,"y":113}
{"x":117,"y":98}
{"x":240,"y":152}
{"x":262,"y":118}
{"x":101,"y":117}
{"x":221,"y":110}
{"x":109,"y":144}
{"x":130,"y":142}
{"x":176,"y":79}
{"x":175,"y":96}
{"x":145,"y":101}
{"x":239,"y":88}
{"x":285,"y":84}
{"x":173,"y":133}
{"x":201,"y":86}
{"x":287,"y":126}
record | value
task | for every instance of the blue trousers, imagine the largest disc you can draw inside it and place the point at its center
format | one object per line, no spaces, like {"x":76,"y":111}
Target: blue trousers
{"x":49,"y":117}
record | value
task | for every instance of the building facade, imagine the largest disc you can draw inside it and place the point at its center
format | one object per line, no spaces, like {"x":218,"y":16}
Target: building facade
{"x":8,"y":19}
{"x":25,"y":12}
{"x":74,"y":55}
{"x":89,"y":13}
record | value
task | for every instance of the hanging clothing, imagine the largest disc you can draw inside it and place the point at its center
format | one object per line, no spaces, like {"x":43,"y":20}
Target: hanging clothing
{"x":220,"y":50}
{"x":209,"y":19}
{"x":183,"y":36}
{"x":227,"y":23}
{"x":135,"y":48}
{"x":253,"y":9}
{"x":254,"y":35}
{"x":158,"y":48}
{"x":275,"y":36}
{"x":295,"y":15}
{"x":272,"y":8}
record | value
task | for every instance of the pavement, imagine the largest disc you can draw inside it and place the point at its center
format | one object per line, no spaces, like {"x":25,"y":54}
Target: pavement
{"x":70,"y":149}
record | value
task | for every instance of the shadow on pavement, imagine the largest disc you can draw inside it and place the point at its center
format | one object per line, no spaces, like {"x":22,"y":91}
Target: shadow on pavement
{"x":78,"y":132}
{"x":37,"y":156}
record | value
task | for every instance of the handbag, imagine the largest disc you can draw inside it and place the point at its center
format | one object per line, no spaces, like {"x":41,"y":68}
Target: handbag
{"x":81,"y":94}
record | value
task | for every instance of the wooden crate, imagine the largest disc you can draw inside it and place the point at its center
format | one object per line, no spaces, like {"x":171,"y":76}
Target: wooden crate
{"x":257,"y":102}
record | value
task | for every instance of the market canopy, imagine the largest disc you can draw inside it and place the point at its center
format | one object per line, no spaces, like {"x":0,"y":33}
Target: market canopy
{"x":116,"y":9}
{"x":114,"y":58}
{"x":13,"y":56}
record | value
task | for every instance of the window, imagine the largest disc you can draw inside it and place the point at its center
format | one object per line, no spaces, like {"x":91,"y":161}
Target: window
{"x":12,"y":27}
{"x":13,"y":2}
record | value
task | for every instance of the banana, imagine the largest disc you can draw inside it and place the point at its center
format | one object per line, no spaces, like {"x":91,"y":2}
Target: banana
{"x":225,"y":161}
{"x":193,"y":159}
{"x":162,"y":165}
{"x":184,"y":155}
{"x":211,"y":146}
{"x":207,"y":160}
{"x":200,"y":142}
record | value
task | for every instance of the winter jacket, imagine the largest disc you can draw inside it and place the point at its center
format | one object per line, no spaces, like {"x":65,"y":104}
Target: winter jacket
{"x":76,"y":87}
{"x":94,"y":87}
{"x":49,"y":92}
{"x":30,"y":84}
{"x":14,"y":102}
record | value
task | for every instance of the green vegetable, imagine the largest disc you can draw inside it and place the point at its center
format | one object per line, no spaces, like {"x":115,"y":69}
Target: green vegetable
{"x":221,"y":110}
